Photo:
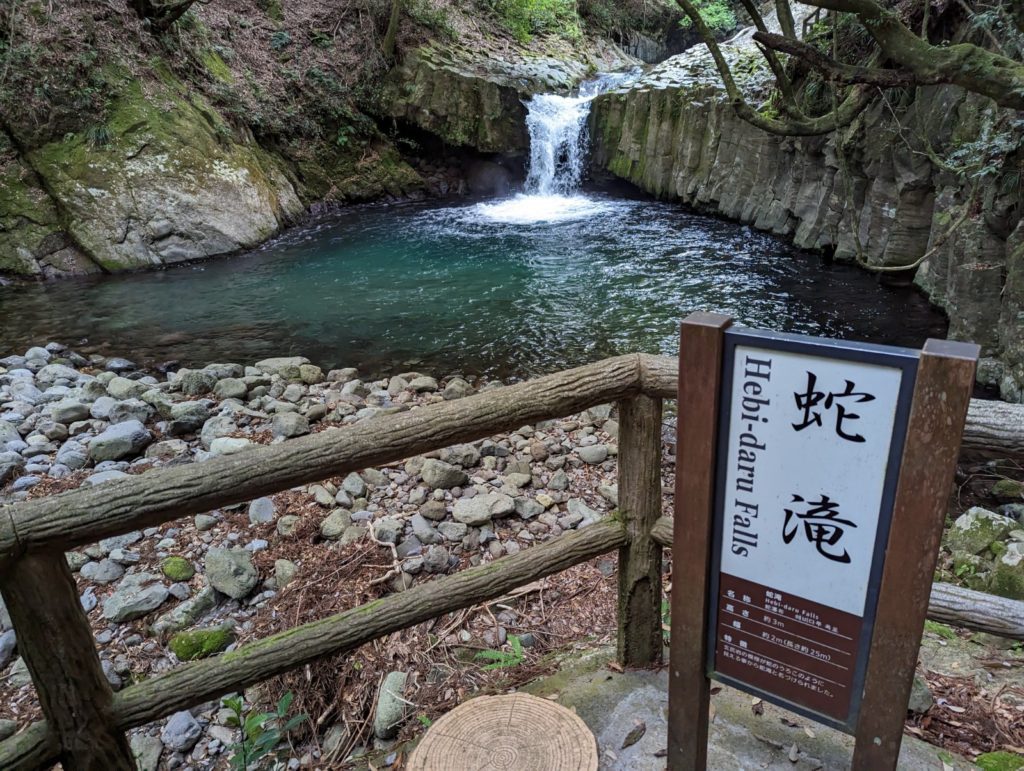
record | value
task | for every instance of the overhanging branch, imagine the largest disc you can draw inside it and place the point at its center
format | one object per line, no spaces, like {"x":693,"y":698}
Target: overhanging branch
{"x":845,"y":73}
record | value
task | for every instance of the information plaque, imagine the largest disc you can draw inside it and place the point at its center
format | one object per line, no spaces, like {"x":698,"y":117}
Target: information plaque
{"x":811,"y":433}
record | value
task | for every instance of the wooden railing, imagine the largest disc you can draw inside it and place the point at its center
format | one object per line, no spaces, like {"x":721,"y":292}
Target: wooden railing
{"x":85,"y":721}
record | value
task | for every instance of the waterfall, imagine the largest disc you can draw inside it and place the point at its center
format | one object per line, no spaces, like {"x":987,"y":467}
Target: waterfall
{"x":559,"y":142}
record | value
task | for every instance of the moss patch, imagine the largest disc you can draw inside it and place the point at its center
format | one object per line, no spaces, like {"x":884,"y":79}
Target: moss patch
{"x":200,"y":643}
{"x":1008,"y":489}
{"x":1000,"y":761}
{"x":216,"y":66}
{"x":177,"y":568}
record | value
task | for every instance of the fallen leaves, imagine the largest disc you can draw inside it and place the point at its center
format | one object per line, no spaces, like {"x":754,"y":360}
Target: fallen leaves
{"x":635,"y":734}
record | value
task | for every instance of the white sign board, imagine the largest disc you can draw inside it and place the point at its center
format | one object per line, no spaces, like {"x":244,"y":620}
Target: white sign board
{"x":809,"y":449}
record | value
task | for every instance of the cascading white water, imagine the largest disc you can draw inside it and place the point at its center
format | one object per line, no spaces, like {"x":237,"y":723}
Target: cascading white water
{"x":558,"y":143}
{"x":558,"y":151}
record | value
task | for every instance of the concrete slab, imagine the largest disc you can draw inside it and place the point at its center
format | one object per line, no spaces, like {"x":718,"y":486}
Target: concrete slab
{"x":613,"y":703}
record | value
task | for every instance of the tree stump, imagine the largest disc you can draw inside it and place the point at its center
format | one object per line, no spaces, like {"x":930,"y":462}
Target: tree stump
{"x":495,"y":733}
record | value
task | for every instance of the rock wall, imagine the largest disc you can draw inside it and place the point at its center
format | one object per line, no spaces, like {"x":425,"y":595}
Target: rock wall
{"x":473,"y":98}
{"x":674,"y":135}
{"x":168,"y":180}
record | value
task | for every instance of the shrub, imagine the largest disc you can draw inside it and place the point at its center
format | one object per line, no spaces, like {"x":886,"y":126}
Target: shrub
{"x":716,"y":14}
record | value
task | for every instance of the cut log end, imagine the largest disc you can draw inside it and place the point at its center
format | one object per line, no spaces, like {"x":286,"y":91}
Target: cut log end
{"x":493,"y":733}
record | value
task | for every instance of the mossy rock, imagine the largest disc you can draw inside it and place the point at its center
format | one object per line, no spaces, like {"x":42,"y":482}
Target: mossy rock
{"x":177,"y":568}
{"x":200,"y":643}
{"x":1000,"y":761}
{"x":1007,"y":579}
{"x":976,"y":529}
{"x":1008,"y":490}
{"x":217,"y":67}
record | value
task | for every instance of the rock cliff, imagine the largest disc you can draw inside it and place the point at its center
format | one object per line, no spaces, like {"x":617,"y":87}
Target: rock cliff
{"x":474,"y":98}
{"x":878,"y":191}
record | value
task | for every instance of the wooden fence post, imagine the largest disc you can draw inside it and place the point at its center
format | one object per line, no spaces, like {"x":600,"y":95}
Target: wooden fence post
{"x":945,"y":377}
{"x":57,"y":644}
{"x":701,"y":346}
{"x":639,"y":639}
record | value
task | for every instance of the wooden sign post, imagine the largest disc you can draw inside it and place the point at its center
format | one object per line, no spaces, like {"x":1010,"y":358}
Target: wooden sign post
{"x":802,"y":464}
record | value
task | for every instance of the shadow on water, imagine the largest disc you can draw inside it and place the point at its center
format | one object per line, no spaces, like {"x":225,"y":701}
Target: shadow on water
{"x":459,"y":287}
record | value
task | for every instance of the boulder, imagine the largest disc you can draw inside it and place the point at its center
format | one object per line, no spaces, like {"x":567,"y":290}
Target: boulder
{"x":188,"y":417}
{"x":440,"y":475}
{"x":977,"y":529}
{"x":196,"y":382}
{"x":121,"y":440}
{"x":289,"y":424}
{"x":285,"y":366}
{"x":390,"y":706}
{"x":231,"y":572}
{"x":262,"y":511}
{"x":186,"y":613}
{"x":594,"y":454}
{"x":137,"y":595}
{"x":181,"y":732}
{"x":230,"y":388}
{"x":335,"y":524}
{"x":388,"y":529}
{"x":67,"y":411}
{"x":479,"y":509}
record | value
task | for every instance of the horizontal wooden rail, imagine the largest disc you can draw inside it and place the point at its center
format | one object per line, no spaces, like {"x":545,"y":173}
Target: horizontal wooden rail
{"x":977,"y":610}
{"x":203,"y":680}
{"x":994,"y":429}
{"x":949,"y":604}
{"x":83,"y":516}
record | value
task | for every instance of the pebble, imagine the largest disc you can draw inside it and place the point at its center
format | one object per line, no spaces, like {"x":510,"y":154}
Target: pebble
{"x":437,"y":510}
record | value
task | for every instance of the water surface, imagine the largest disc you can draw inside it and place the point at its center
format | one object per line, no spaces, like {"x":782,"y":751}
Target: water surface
{"x":469,"y":287}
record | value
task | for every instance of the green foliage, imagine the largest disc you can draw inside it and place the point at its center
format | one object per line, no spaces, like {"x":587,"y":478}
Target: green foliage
{"x":526,"y":18}
{"x":941,"y":630}
{"x":261,"y":731}
{"x":990,"y":153}
{"x":424,"y":13}
{"x":272,"y":8}
{"x":344,"y":134}
{"x":716,"y":14}
{"x":503,"y":659}
{"x":97,"y":136}
{"x":425,"y":721}
{"x":1000,"y":761}
{"x":321,"y":39}
{"x":280,"y":39}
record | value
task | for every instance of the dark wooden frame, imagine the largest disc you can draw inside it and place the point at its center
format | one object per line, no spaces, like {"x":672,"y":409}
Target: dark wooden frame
{"x":701,"y":343}
{"x":938,"y":413}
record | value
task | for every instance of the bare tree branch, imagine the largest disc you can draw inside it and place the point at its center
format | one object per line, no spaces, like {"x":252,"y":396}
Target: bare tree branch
{"x":964,"y":64}
{"x":854,"y":103}
{"x":161,"y":16}
{"x":785,"y":14}
{"x":845,"y":73}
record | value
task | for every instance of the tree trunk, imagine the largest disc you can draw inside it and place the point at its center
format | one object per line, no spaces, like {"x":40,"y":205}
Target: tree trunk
{"x":391,"y":35}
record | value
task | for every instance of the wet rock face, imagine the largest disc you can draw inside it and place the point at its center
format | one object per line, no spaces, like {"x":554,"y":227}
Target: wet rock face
{"x":474,"y":98}
{"x":675,"y":135}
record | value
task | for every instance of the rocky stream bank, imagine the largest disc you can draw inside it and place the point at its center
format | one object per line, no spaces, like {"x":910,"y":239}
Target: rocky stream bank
{"x":200,"y":586}
{"x":203,"y":585}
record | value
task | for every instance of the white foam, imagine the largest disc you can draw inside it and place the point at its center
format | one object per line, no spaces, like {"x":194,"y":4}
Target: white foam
{"x":529,"y":209}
